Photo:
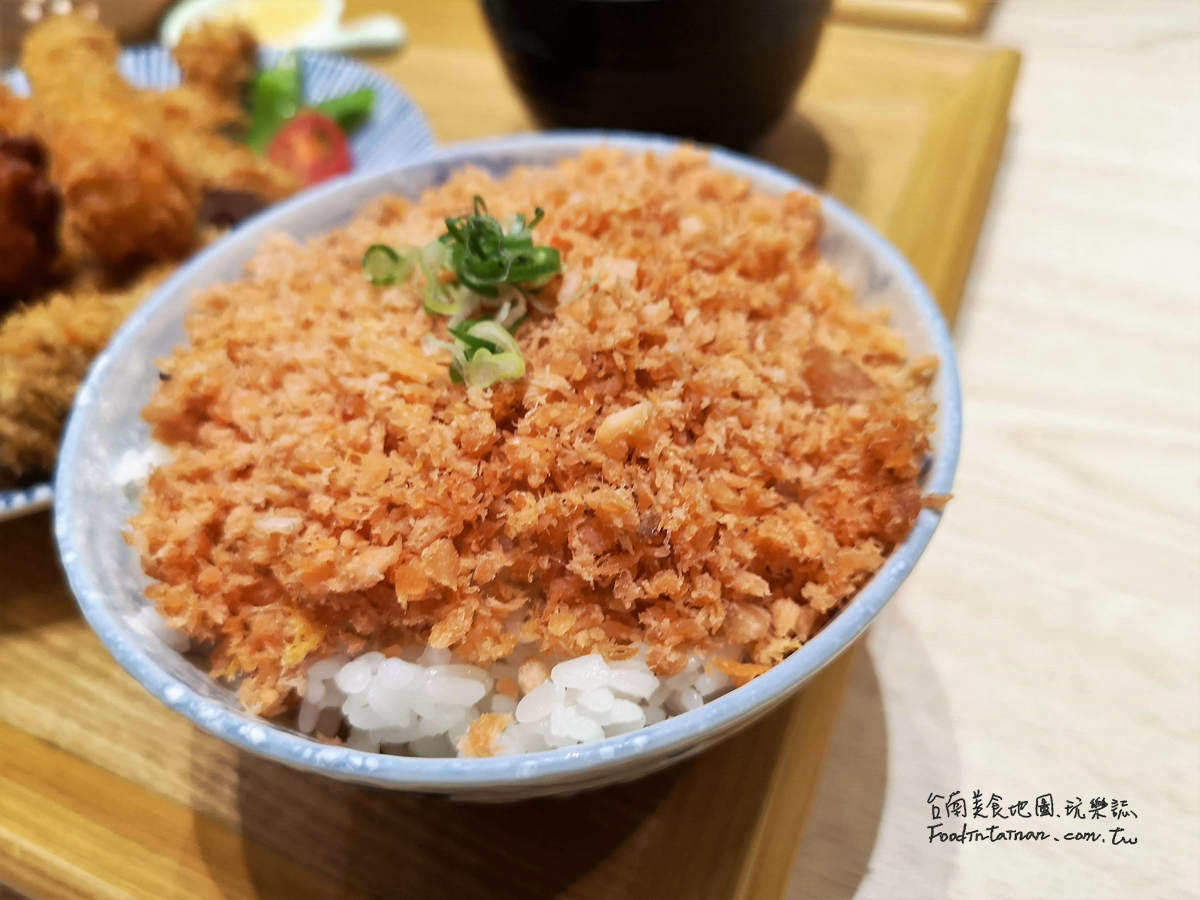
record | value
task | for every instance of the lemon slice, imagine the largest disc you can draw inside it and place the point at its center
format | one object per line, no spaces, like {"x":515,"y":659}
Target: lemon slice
{"x":313,"y":24}
{"x":280,"y":21}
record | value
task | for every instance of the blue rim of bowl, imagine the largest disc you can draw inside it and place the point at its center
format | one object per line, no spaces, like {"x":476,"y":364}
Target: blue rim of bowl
{"x":717,"y":717}
{"x":151,"y":66}
{"x":24,"y":501}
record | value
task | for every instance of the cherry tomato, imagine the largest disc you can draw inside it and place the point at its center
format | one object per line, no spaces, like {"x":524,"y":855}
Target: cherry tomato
{"x":311,"y":146}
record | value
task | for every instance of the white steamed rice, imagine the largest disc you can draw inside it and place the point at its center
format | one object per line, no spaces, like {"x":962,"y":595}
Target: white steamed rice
{"x":422,"y":702}
{"x":423,"y":705}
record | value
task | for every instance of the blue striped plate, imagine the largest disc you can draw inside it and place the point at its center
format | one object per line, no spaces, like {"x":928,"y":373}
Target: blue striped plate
{"x":396,"y":133}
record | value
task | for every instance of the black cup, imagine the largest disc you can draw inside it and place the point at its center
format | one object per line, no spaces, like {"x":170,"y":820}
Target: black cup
{"x":721,"y":71}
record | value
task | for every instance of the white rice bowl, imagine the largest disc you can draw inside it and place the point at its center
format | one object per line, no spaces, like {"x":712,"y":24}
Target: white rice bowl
{"x":422,"y":702}
{"x":103,"y":572}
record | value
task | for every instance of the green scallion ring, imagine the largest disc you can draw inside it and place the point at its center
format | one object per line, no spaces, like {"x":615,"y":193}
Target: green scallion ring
{"x":383,"y":266}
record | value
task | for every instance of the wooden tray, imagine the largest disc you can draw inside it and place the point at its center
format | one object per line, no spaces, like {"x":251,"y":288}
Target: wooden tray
{"x":958,"y":16}
{"x":106,"y":793}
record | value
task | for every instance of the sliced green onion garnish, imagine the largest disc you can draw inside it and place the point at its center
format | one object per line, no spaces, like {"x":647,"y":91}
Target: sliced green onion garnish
{"x":443,"y":299}
{"x":486,"y":368}
{"x":462,"y":332}
{"x":495,"y":334}
{"x":469,"y":306}
{"x":514,"y":308}
{"x":492,"y":268}
{"x":383,"y":265}
{"x":485,"y":256}
{"x":485,"y":352}
{"x":440,"y":299}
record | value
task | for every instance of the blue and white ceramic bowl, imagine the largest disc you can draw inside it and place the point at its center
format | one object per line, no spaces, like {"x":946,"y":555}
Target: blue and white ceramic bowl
{"x":16,"y":502}
{"x":104,"y":573}
{"x":395,"y":133}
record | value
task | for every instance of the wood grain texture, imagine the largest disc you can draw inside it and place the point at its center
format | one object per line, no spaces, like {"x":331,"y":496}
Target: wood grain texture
{"x":873,"y":115}
{"x":1047,"y":641}
{"x":954,"y":16}
{"x":70,"y":828}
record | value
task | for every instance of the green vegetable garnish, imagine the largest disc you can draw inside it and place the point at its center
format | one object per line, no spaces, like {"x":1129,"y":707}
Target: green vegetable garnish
{"x":490,"y":351}
{"x":485,"y":334}
{"x":349,"y":110}
{"x":492,"y":268}
{"x":471,"y":342}
{"x":383,"y":266}
{"x":275,"y":96}
{"x":441,"y":299}
{"x":485,"y":368}
{"x":484,"y":256}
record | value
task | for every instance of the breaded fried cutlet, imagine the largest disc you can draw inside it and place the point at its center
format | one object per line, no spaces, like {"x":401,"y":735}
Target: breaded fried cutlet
{"x":196,"y":126}
{"x":14,"y":112}
{"x":29,"y":207}
{"x":218,"y":58}
{"x":125,"y":194}
{"x":142,"y":176}
{"x":197,"y":118}
{"x":45,"y":350}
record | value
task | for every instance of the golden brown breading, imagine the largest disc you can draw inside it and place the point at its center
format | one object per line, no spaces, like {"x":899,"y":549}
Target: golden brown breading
{"x":217,"y":61}
{"x":45,"y":350}
{"x":134,"y":168}
{"x":217,"y":57}
{"x":194,"y":122}
{"x":222,"y":164}
{"x":193,"y":109}
{"x":14,"y":112}
{"x":29,"y":206}
{"x":125,"y":194}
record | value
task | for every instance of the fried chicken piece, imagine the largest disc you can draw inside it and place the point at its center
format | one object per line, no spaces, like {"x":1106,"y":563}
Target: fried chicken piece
{"x":195,"y":123}
{"x":195,"y":109}
{"x":125,"y":194}
{"x":227,"y":167}
{"x":198,"y":117}
{"x":14,"y":112}
{"x":45,"y":350}
{"x":29,"y":208}
{"x":218,"y":58}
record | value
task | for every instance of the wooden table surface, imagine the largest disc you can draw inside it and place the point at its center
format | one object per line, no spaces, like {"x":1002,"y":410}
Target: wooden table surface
{"x":952,"y":16}
{"x":88,"y":808}
{"x":1046,"y":642}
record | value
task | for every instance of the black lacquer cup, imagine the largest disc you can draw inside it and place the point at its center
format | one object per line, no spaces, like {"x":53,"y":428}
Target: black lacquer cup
{"x":721,"y":71}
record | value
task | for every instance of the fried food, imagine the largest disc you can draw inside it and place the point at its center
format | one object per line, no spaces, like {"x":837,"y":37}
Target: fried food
{"x":198,"y":117}
{"x":14,"y":112}
{"x":195,"y":124}
{"x":218,"y":58}
{"x":45,"y":350}
{"x":126,"y":196}
{"x":193,"y":109}
{"x":138,"y":174}
{"x":29,"y":208}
